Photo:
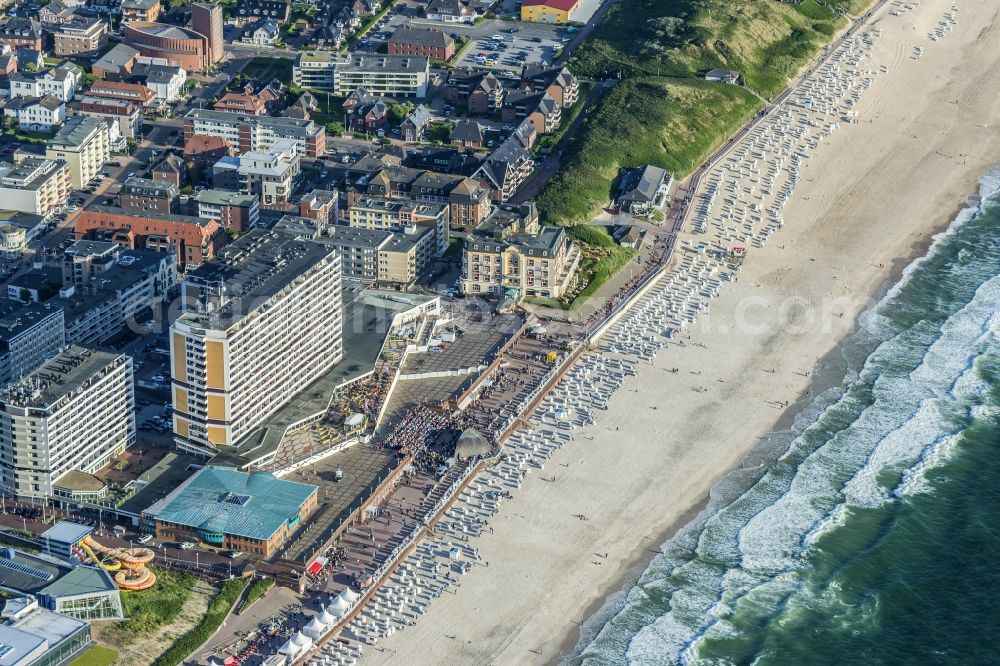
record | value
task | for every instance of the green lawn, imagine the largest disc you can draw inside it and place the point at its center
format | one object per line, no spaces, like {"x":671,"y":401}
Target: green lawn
{"x":663,"y":112}
{"x":98,"y":655}
{"x":151,"y":609}
{"x":263,"y":68}
{"x":671,"y":123}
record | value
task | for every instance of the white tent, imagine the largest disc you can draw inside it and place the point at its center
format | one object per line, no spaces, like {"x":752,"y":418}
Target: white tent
{"x":326,"y":617}
{"x":338,"y":607}
{"x":354,"y":420}
{"x":349,"y":595}
{"x":315,"y":628}
{"x":289,"y":648}
{"x":301,"y":641}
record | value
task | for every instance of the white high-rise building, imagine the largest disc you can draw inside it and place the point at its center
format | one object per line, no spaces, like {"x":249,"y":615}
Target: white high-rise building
{"x":74,"y":413}
{"x":262,"y":321}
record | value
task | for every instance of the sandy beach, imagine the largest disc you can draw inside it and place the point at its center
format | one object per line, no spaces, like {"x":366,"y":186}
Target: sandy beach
{"x":869,"y":200}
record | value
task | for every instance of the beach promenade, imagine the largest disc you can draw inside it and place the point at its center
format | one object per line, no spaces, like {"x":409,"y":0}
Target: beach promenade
{"x":594,"y":501}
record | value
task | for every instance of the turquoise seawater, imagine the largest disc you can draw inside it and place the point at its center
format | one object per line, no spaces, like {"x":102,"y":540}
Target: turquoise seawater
{"x":869,"y":533}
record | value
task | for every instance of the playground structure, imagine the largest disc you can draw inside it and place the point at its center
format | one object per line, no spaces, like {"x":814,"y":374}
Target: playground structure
{"x":127,"y":565}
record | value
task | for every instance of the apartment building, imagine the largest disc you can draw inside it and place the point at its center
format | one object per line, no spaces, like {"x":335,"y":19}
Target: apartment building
{"x":74,"y":413}
{"x":127,"y":115}
{"x":246,"y":133}
{"x":101,"y":286}
{"x":193,"y":240}
{"x":85,"y":145}
{"x":129,"y":92}
{"x":321,"y":205}
{"x":406,"y":257}
{"x":467,"y":199}
{"x":235,"y":211}
{"x":382,"y":75}
{"x":144,"y":194}
{"x":270,"y":174}
{"x":261,"y":322}
{"x":434,"y":44}
{"x":81,"y":35}
{"x":390,"y":258}
{"x":61,"y":82}
{"x":140,"y":10}
{"x":394,"y":215}
{"x":509,"y":252}
{"x":34,"y":185}
{"x":36,"y":113}
{"x":29,"y":334}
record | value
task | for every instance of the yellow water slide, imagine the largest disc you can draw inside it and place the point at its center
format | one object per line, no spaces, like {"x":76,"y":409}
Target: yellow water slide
{"x":128,"y":564}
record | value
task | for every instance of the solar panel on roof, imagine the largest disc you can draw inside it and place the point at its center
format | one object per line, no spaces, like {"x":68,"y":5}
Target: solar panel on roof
{"x":238,"y":500}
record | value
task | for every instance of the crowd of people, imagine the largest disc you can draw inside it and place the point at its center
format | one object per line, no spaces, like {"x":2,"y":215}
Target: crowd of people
{"x":364,"y":396}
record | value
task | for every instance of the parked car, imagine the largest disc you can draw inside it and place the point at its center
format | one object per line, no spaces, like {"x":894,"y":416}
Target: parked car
{"x":145,"y":538}
{"x":186,"y":545}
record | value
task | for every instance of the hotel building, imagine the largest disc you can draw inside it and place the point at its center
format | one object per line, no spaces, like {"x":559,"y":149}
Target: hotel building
{"x":261,"y":322}
{"x":75,"y":412}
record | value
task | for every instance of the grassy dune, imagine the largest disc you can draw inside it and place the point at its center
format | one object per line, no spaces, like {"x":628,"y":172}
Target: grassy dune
{"x":663,"y":112}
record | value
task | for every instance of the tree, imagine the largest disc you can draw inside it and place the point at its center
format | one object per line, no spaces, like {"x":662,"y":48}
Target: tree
{"x":88,"y":80}
{"x":334,"y":128}
{"x":397,"y":111}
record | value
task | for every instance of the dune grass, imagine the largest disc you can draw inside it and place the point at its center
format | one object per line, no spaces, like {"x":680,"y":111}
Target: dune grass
{"x":663,"y":112}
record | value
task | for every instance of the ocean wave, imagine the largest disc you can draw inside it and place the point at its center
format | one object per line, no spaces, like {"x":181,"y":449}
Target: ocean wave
{"x":868,"y":441}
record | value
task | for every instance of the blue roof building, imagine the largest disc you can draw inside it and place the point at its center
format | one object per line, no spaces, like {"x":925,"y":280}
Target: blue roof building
{"x":253,"y":512}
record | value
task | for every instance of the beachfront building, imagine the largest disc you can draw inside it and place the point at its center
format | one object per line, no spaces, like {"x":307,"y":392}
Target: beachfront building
{"x":74,"y":413}
{"x":260,"y":323}
{"x":510,"y":253}
{"x":643,"y":190}
{"x":250,"y":512}
{"x":85,"y":145}
{"x":40,"y":636}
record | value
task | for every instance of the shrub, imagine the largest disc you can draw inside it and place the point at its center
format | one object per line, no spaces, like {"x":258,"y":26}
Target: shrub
{"x":218,"y":609}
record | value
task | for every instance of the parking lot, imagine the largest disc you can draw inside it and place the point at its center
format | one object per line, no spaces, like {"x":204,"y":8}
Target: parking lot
{"x":496,"y":47}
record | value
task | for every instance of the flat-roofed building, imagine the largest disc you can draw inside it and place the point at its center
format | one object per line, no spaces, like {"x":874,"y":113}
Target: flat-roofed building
{"x":75,"y":412}
{"x":343,"y":73}
{"x":140,"y":10}
{"x":82,"y":35}
{"x":40,"y":637}
{"x":127,"y":115}
{"x":246,"y":133}
{"x":250,"y":512}
{"x":85,"y":145}
{"x":270,"y":174}
{"x":260,"y":323}
{"x":34,"y":185}
{"x":234,"y":210}
{"x":29,"y":334}
{"x":406,"y":257}
{"x":395,"y":214}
